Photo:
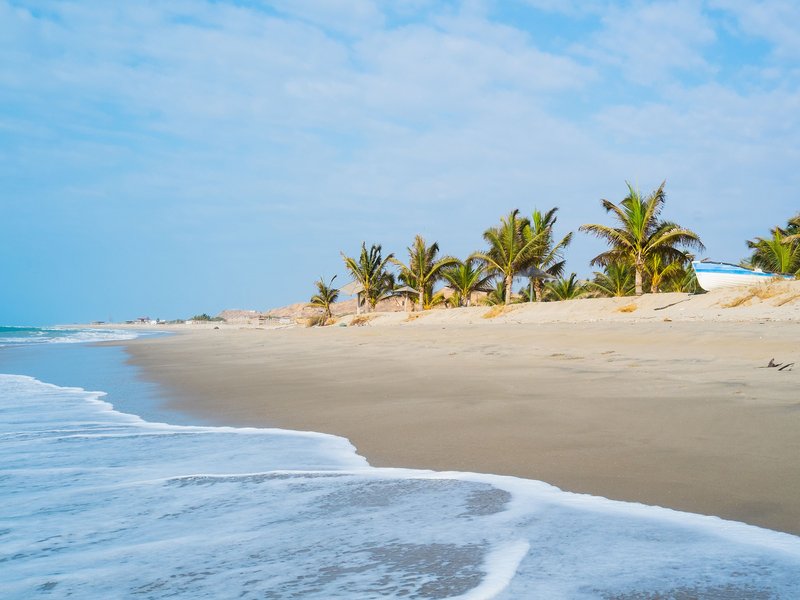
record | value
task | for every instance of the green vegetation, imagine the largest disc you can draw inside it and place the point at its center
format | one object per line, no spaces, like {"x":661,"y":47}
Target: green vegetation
{"x":512,"y":247}
{"x":685,"y":281}
{"x":793,"y":230}
{"x":676,"y":275}
{"x":780,"y":253}
{"x":549,"y":255}
{"x":466,"y":278}
{"x":423,"y":270}
{"x":641,"y":235}
{"x":616,"y":279}
{"x":497,"y":295}
{"x":205,"y":317}
{"x":325,"y":296}
{"x":645,"y":253}
{"x":565,"y":289}
{"x":371,"y":272}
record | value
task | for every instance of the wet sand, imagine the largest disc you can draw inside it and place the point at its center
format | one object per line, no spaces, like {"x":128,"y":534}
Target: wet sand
{"x":675,"y":414}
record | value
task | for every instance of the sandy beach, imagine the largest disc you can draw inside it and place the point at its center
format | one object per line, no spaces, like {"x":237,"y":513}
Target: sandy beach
{"x":667,"y":404}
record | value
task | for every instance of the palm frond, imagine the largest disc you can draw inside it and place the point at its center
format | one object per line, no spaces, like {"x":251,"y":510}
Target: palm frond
{"x":640,"y":234}
{"x":565,"y":288}
{"x":325,"y":296}
{"x":615,"y":237}
{"x":617,"y":279}
{"x":370,"y":270}
{"x":466,"y":278}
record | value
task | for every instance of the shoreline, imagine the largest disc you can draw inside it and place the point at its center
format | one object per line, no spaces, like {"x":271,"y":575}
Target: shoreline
{"x":672,"y":414}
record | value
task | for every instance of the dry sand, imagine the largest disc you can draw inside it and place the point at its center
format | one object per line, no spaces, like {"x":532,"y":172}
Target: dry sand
{"x":677,"y":412}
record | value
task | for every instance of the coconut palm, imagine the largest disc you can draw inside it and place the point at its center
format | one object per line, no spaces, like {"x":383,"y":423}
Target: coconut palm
{"x":565,"y":289}
{"x":662,"y":271}
{"x":423,"y":269}
{"x":549,"y":255}
{"x":512,"y":247}
{"x":496,"y":295}
{"x":777,"y":254}
{"x":640,"y":233}
{"x":465,"y":278}
{"x":526,"y":294}
{"x":793,"y":230}
{"x":684,"y":281}
{"x":325,"y":296}
{"x":434,"y":300}
{"x":616,"y":279}
{"x":370,"y":271}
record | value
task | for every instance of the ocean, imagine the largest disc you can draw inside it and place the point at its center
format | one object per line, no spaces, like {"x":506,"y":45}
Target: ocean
{"x":105,"y":494}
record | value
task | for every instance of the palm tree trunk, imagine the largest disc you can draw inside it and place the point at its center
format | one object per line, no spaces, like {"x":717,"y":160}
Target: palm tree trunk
{"x":421,"y":299}
{"x":367,"y":303}
{"x":638,"y":280}
{"x":539,"y":289}
{"x":509,"y":283}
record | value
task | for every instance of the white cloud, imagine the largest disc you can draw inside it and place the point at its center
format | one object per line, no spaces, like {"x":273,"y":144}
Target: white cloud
{"x":224,"y":118}
{"x":773,"y":20}
{"x":650,"y":42}
{"x":454,"y":67}
{"x":728,"y":157}
{"x":573,"y":8}
{"x":352,"y":17}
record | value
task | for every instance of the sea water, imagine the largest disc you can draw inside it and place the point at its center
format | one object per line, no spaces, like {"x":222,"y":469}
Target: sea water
{"x":100,"y":503}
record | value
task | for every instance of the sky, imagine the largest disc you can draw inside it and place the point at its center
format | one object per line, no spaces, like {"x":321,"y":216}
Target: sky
{"x":172,"y":158}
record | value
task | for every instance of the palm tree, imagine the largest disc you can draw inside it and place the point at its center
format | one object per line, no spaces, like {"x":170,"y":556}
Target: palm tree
{"x":777,"y":254}
{"x":684,"y":281}
{"x":526,"y":294}
{"x":496,"y":295}
{"x":370,"y":271}
{"x":423,"y":270}
{"x":617,"y":279}
{"x":565,"y":289}
{"x":793,"y":230}
{"x":549,"y":255}
{"x":640,"y":234}
{"x":662,"y":271}
{"x":325,"y":296}
{"x":434,"y":300}
{"x":512,"y":247}
{"x":465,"y":278}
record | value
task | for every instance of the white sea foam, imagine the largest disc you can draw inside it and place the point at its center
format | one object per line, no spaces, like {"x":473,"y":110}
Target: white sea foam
{"x":99,"y":504}
{"x":500,"y":566}
{"x":92,"y":335}
{"x":61,"y":335}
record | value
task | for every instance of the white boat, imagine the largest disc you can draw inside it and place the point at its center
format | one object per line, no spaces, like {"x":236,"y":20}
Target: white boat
{"x":714,"y":275}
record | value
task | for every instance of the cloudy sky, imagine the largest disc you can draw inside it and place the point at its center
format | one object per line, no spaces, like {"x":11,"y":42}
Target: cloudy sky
{"x":168,"y":158}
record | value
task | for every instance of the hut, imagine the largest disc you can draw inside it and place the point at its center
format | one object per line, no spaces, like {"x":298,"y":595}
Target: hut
{"x":354,"y":288}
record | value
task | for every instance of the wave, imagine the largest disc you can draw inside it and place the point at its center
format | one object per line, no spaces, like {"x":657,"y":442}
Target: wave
{"x":12,"y":336}
{"x":99,"y":503}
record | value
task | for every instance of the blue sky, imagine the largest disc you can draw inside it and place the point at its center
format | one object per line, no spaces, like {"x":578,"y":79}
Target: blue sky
{"x":170,"y":158}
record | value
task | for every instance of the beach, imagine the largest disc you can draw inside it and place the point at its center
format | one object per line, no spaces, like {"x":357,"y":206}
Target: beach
{"x":669,"y":403}
{"x":202,"y":464}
